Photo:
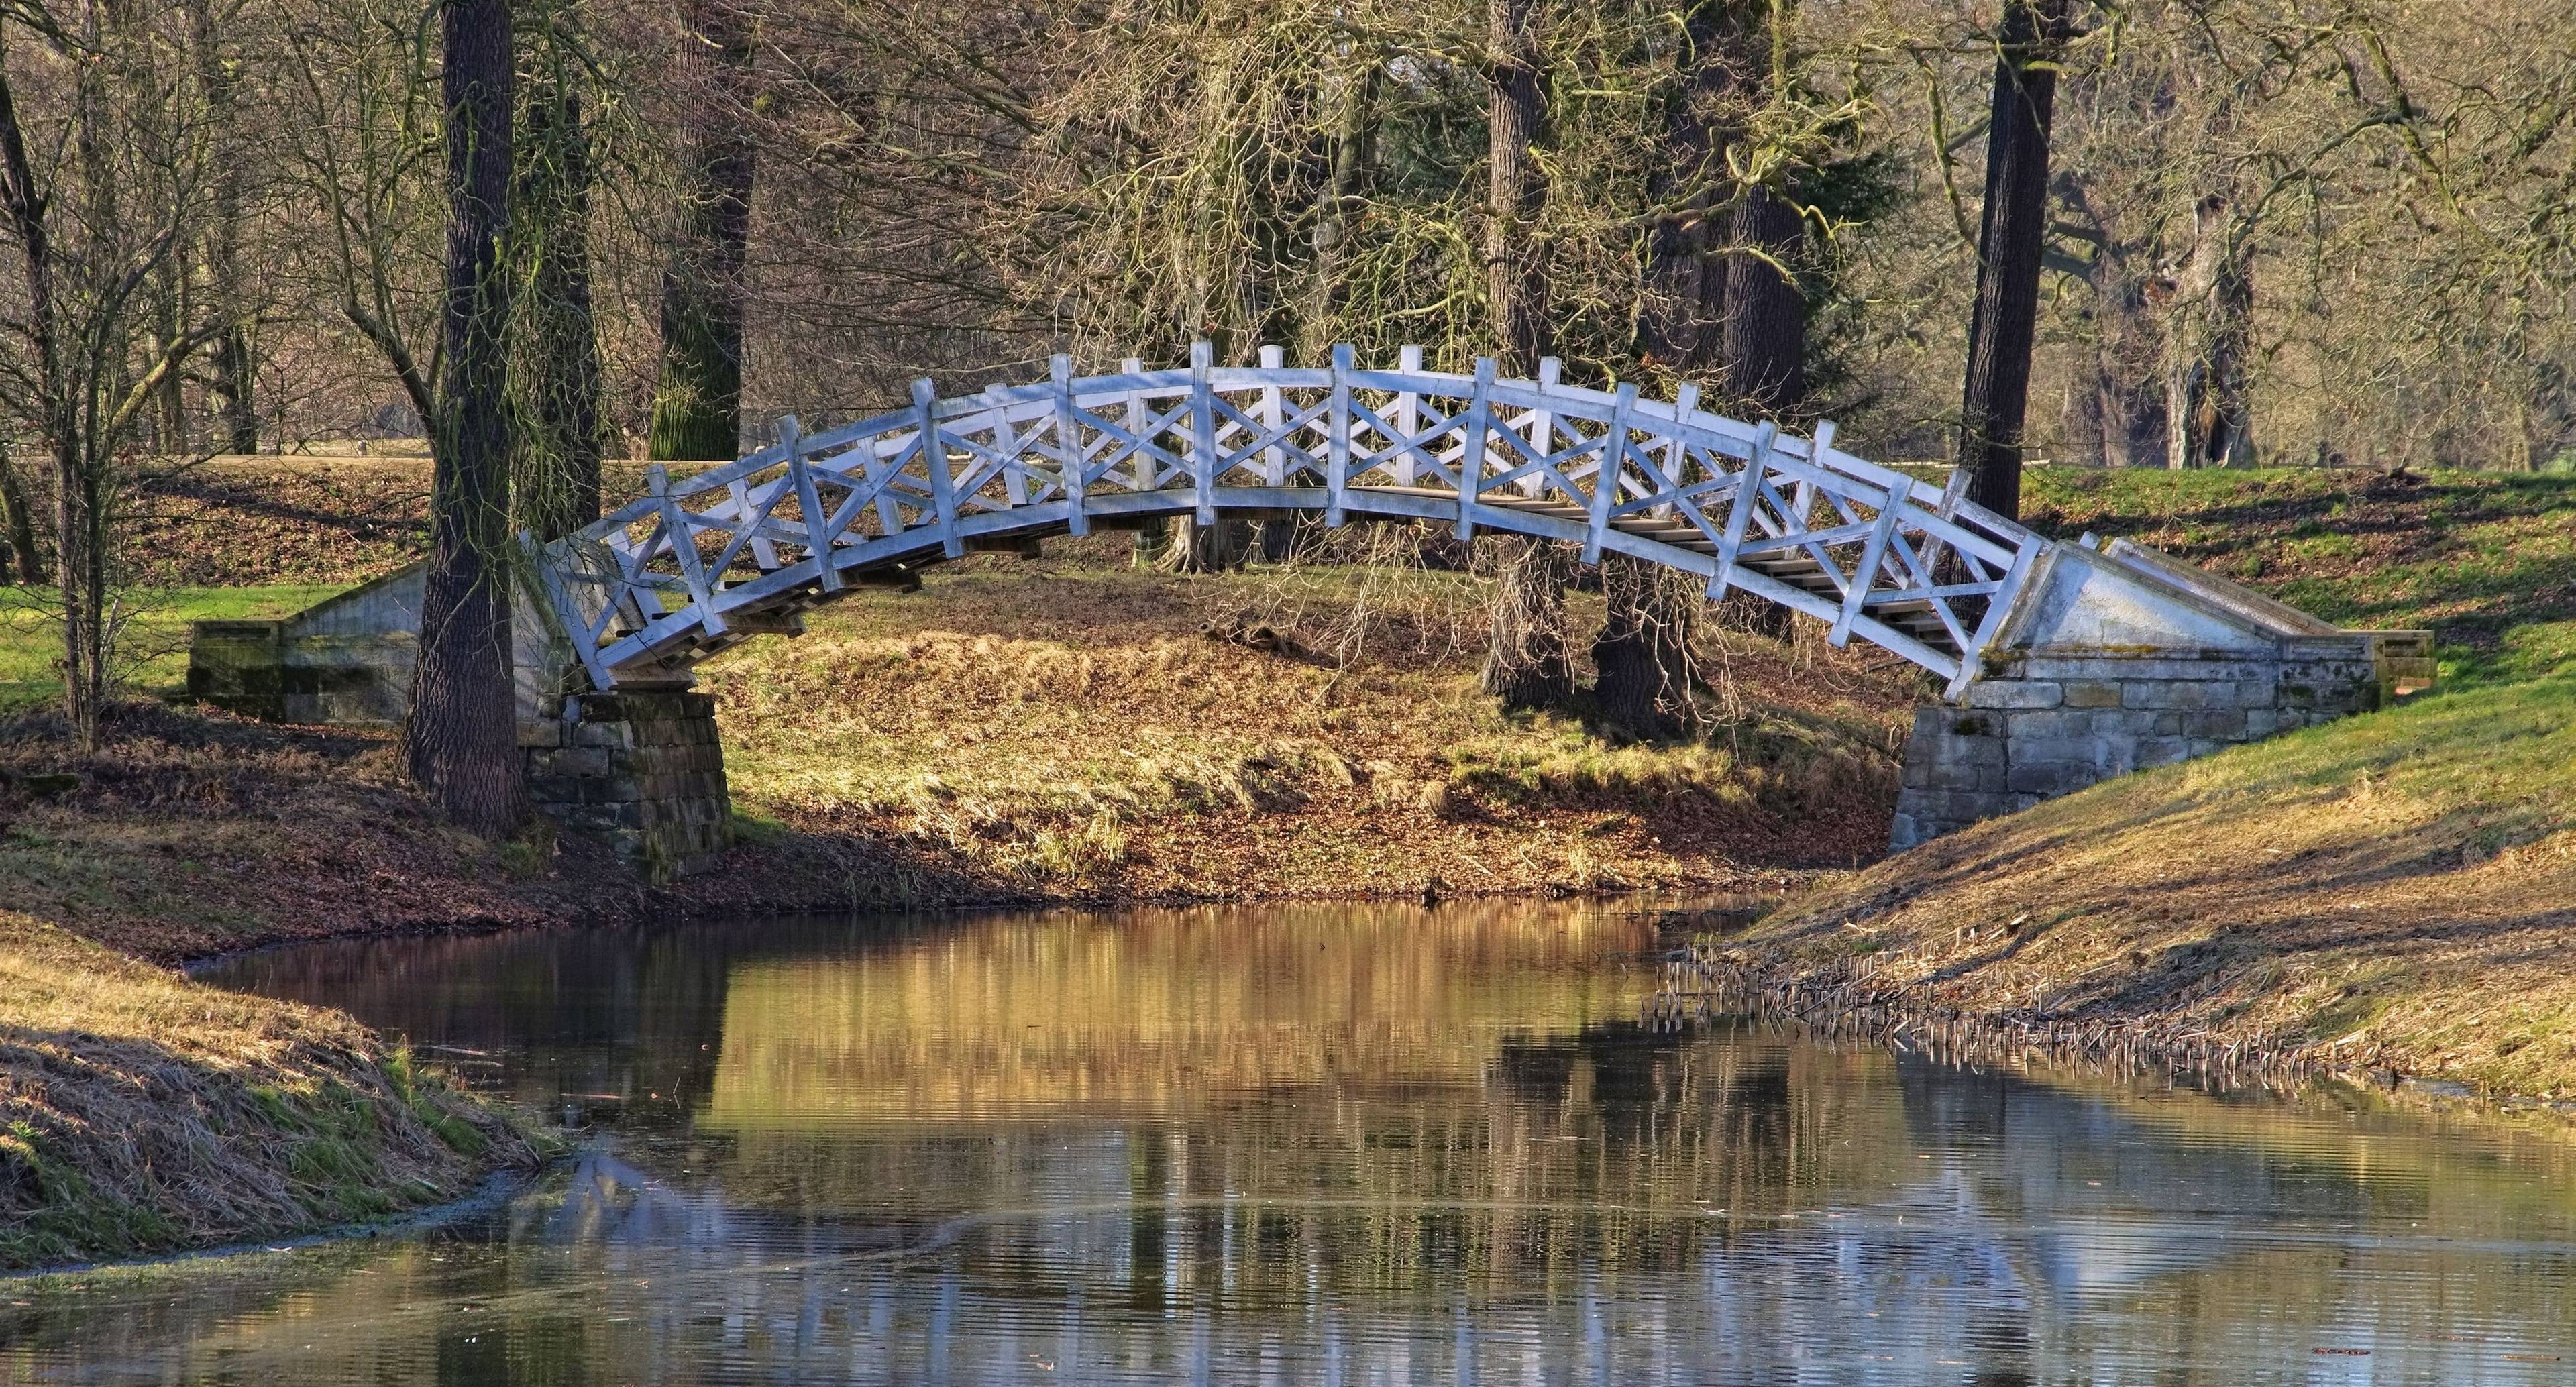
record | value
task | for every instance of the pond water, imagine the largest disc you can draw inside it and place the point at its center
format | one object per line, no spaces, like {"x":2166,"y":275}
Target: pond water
{"x":1322,"y":1145}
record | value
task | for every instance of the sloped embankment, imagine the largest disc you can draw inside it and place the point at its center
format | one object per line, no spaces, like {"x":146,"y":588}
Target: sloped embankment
{"x":2395,"y":890}
{"x":141,"y":1112}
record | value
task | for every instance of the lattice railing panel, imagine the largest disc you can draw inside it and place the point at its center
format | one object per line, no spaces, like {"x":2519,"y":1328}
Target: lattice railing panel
{"x":701,"y":561}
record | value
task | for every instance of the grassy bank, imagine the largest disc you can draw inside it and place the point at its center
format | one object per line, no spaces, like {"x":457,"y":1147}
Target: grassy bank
{"x":2398,"y":888}
{"x":140,"y":1112}
{"x":1069,"y":728}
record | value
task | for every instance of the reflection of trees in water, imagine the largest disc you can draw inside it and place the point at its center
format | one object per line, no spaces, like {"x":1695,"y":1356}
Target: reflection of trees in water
{"x":1156,"y":1014}
{"x":1197,"y":1138}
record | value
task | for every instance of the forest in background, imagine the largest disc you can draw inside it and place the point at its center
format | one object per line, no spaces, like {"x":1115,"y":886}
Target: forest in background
{"x":540,"y":232}
{"x":2330,"y":229}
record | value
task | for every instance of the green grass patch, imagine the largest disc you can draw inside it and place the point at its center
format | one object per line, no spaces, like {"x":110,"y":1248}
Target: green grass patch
{"x":2486,"y":560}
{"x":154,"y":647}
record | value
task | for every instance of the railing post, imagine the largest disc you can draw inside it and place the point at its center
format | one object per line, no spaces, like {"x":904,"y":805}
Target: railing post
{"x":1871,"y":554}
{"x":1274,"y":459}
{"x":818,"y":524}
{"x":577,"y":627}
{"x":1471,"y":460}
{"x":1738,"y":516}
{"x":1337,"y":462}
{"x":1068,"y":444}
{"x":1998,"y":608}
{"x":1203,"y":430}
{"x":1953,"y":492}
{"x":1605,"y":478}
{"x":1542,"y":428}
{"x":763,"y":552}
{"x":1006,"y":446}
{"x":1408,"y":414}
{"x":934,"y":457}
{"x":683,"y":539}
{"x":1143,"y":468}
{"x":1677,"y":452}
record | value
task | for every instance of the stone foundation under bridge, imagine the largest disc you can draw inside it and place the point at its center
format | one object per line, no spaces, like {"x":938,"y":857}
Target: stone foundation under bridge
{"x":2120,"y":659}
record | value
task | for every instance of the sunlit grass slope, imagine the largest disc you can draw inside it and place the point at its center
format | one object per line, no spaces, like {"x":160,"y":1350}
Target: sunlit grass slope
{"x":2400,"y":884}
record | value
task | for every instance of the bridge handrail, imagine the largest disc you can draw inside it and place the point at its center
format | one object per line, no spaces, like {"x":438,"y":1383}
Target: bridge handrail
{"x":1069,"y":448}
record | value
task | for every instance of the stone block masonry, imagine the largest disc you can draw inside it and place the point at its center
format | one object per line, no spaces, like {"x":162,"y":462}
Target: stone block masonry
{"x":641,"y":770}
{"x":2043,"y":724}
{"x":2115,"y":658}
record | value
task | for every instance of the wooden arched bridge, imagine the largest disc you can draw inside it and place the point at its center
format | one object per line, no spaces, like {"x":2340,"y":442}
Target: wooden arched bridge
{"x":2065,"y":662}
{"x":705,"y":561}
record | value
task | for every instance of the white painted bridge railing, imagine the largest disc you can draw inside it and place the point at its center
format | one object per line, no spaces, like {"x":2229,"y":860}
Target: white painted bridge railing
{"x":706,"y":560}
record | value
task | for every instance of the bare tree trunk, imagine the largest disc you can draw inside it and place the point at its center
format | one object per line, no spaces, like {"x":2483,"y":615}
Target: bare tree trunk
{"x":461,"y":743}
{"x":233,"y":385}
{"x":1347,"y":166}
{"x":2209,"y":421}
{"x":80,"y":570}
{"x":85,"y":311}
{"x":2116,"y":403}
{"x":1643,"y":655}
{"x":169,"y":398}
{"x":1186,"y":546}
{"x":556,"y":484}
{"x":80,"y":563}
{"x":18,"y":524}
{"x":697,"y":406}
{"x":1516,"y":189}
{"x":1766,"y":313}
{"x":2011,"y":232}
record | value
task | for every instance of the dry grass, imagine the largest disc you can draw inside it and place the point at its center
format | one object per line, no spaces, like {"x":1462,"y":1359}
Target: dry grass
{"x":142,"y":1112}
{"x":2400,"y":887}
{"x":2397,"y":890}
{"x":1070,"y":728}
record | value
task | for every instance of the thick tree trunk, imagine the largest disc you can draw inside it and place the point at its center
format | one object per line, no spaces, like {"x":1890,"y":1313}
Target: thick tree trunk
{"x":697,"y":405}
{"x":1643,"y":655}
{"x":2114,"y":414}
{"x":1682,"y":322}
{"x":1343,"y":174}
{"x":1276,"y":541}
{"x":235,"y":389}
{"x":1516,"y":189}
{"x":2208,"y":420}
{"x":233,"y":384}
{"x":461,"y":743}
{"x":170,"y":396}
{"x":2011,"y":233}
{"x":1527,"y":664}
{"x":1186,"y":546}
{"x":556,"y":485}
{"x":1766,"y":314}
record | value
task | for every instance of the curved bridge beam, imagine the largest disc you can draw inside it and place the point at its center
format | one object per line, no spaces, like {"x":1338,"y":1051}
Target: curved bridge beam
{"x":703,"y":562}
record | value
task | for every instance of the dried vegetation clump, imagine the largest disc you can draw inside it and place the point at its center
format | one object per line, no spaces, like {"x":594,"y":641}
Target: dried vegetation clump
{"x":142,"y":1112}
